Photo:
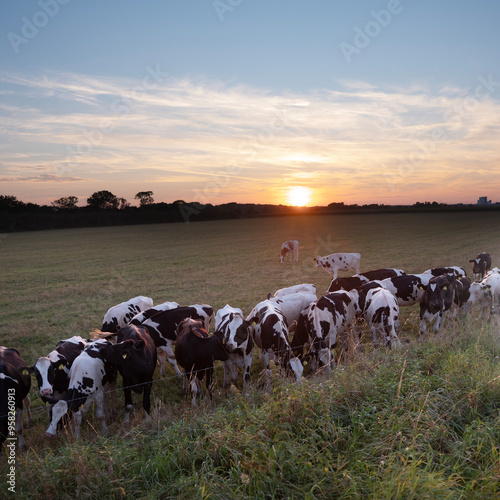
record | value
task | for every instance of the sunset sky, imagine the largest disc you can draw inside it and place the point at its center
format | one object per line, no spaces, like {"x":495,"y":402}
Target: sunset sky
{"x":258,"y":101}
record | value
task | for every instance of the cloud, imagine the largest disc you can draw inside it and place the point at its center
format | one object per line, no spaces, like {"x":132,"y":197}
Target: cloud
{"x":195,"y":133}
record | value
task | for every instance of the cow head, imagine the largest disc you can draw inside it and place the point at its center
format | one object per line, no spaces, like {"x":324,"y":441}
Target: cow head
{"x":439,"y":293}
{"x":238,"y":332}
{"x":49,"y":372}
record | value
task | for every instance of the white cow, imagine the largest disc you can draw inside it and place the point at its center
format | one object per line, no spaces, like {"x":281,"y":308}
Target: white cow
{"x":339,"y":262}
{"x":303,"y":287}
{"x":290,"y":248}
{"x":291,"y":305}
{"x":119,"y":315}
{"x":486,"y":293}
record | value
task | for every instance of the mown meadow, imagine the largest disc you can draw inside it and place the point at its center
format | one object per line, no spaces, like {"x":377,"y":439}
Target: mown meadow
{"x":419,"y":422}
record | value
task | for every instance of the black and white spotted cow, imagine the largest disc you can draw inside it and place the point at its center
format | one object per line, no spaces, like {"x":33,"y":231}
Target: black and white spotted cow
{"x":162,"y":327}
{"x":481,"y":264}
{"x":462,"y":296}
{"x":486,"y":294}
{"x":90,"y":377}
{"x":119,"y":315}
{"x":456,"y":271}
{"x":336,"y":262}
{"x":271,"y":336}
{"x":147,"y":313}
{"x":326,"y":319}
{"x":196,"y":352}
{"x":351,"y":282}
{"x":15,"y":384}
{"x":52,"y":371}
{"x":381,"y":312}
{"x":438,"y":297}
{"x":290,"y":248}
{"x":237,"y":334}
{"x":134,"y":355}
{"x":408,"y":289}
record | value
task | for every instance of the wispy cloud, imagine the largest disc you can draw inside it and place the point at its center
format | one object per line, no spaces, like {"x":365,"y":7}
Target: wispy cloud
{"x":185,"y":137}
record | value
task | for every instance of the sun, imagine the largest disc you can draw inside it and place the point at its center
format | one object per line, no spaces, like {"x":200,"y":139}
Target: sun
{"x":299,"y":196}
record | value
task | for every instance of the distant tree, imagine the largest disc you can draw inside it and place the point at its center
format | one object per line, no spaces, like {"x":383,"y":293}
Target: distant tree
{"x":65,"y":203}
{"x":123,"y":203}
{"x":103,"y":199}
{"x":8,"y":201}
{"x":144,"y":197}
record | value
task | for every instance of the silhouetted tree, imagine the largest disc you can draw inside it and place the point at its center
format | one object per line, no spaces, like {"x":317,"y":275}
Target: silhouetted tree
{"x":65,"y":203}
{"x":123,"y":203}
{"x":103,"y":199}
{"x":144,"y":197}
{"x":8,"y":201}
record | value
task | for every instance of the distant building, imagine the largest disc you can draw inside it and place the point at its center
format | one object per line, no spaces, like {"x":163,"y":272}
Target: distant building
{"x":483,"y":200}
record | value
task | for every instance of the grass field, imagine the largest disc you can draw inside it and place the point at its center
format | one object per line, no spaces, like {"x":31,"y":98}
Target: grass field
{"x":423,"y":421}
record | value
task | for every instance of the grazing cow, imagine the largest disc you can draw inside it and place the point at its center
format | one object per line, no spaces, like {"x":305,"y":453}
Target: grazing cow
{"x":237,"y":334}
{"x":15,"y":384}
{"x":329,"y":316}
{"x":339,"y":262}
{"x":407,"y":288}
{"x":292,"y":304}
{"x":456,"y":271}
{"x":290,"y":248}
{"x":119,"y":315}
{"x":304,"y":287}
{"x":144,"y":315}
{"x":381,"y":312}
{"x":196,"y":352}
{"x":462,"y":296}
{"x":162,"y":327}
{"x":52,"y":371}
{"x":480,"y":265}
{"x":134,"y":354}
{"x":271,"y":336}
{"x":358,"y":279}
{"x":90,"y":377}
{"x":436,"y":301}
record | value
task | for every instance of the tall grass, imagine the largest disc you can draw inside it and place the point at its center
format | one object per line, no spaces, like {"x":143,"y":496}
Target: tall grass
{"x":422,"y":421}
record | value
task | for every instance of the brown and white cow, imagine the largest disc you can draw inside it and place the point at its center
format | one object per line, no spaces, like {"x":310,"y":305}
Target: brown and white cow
{"x":339,"y":262}
{"x":289,"y":248}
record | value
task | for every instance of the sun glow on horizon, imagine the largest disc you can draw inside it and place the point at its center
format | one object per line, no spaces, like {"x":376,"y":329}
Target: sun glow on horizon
{"x":299,"y":196}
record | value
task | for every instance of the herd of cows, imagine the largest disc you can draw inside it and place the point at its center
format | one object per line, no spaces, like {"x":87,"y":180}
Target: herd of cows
{"x":289,"y":327}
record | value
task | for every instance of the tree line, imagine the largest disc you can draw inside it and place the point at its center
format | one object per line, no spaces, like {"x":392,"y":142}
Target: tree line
{"x":103,"y":208}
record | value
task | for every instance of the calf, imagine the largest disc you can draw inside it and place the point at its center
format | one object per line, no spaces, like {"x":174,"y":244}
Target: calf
{"x":290,"y":248}
{"x":462,"y":295}
{"x":52,"y":371}
{"x":15,"y":384}
{"x":486,"y":293}
{"x":196,"y":352}
{"x":237,"y":337}
{"x":330,"y":316}
{"x":162,"y":326}
{"x":119,"y":315}
{"x":90,"y":377}
{"x":358,"y":279}
{"x":480,"y":265}
{"x":456,"y":271}
{"x":381,"y":312}
{"x":134,"y":354}
{"x":436,"y":301}
{"x":339,"y":262}
{"x":408,"y":289}
{"x":271,"y":336}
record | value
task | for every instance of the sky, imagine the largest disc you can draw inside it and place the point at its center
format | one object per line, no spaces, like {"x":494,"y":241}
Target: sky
{"x":281,"y":101}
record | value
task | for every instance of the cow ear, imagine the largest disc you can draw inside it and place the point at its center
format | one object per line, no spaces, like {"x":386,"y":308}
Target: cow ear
{"x":126,"y":355}
{"x":444,"y":288}
{"x":421,"y":287}
{"x":254,"y":321}
{"x":139,"y":344}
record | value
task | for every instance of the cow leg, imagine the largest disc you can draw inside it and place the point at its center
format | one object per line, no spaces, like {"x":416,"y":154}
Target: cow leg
{"x":297,"y":368}
{"x":247,"y":363}
{"x":19,"y":428}
{"x":146,"y":400}
{"x":128,"y":404}
{"x":100,"y":411}
{"x":209,"y":380}
{"x":27,"y":405}
{"x":194,"y":389}
{"x":264,"y":356}
{"x":58,"y":410}
{"x":171,"y":358}
{"x":326,"y":359}
{"x":161,"y":360}
{"x":229,"y":373}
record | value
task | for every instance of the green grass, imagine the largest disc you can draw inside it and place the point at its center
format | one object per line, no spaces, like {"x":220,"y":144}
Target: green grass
{"x":421,"y":422}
